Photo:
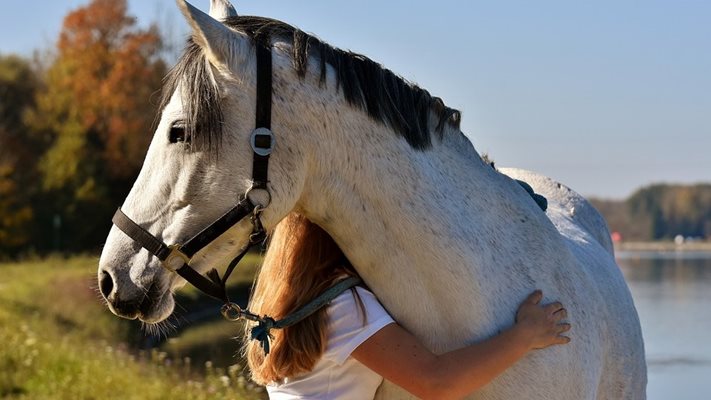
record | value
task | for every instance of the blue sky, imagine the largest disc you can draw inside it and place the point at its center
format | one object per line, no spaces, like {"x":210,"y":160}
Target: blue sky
{"x":604,"y":96}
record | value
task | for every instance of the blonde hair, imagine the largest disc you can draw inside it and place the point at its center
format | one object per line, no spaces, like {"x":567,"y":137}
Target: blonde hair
{"x":301,"y":262}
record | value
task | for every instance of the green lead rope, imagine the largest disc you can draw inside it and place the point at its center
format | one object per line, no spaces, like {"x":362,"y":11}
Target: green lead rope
{"x":265,"y":324}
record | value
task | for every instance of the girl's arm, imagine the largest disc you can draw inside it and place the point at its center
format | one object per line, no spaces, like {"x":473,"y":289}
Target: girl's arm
{"x":400,"y":358}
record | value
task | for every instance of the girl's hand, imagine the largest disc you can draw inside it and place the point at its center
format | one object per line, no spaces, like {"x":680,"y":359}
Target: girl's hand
{"x":401,"y":358}
{"x":540,"y":325}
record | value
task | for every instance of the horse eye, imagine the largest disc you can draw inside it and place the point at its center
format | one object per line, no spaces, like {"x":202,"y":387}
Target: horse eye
{"x":177,"y":135}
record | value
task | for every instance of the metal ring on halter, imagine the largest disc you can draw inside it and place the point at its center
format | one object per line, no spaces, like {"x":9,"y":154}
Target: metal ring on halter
{"x":231,"y":312}
{"x":262,"y":141}
{"x":252,"y":189}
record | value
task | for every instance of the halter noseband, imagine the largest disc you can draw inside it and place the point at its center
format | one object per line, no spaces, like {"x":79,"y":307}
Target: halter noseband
{"x":176,"y":258}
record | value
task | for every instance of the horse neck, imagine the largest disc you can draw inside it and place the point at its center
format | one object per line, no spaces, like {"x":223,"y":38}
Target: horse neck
{"x":433,"y":221}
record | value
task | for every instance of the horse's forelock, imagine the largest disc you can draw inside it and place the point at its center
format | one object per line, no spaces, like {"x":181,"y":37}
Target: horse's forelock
{"x":203,"y":117}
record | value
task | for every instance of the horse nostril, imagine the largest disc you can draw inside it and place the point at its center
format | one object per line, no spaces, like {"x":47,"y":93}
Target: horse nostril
{"x":106,"y":284}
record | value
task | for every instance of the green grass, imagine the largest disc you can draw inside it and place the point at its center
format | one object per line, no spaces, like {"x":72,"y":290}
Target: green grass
{"x":60,"y":342}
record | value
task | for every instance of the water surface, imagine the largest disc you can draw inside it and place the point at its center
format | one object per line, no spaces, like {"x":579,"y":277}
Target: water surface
{"x":672,"y":292}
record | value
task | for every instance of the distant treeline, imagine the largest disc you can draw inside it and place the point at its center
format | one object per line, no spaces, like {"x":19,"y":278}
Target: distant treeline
{"x":660,"y":212}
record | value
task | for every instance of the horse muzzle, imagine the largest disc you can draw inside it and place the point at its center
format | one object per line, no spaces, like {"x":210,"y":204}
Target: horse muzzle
{"x":152,"y":304}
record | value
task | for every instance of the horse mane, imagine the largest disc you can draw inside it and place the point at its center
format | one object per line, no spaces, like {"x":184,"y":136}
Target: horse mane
{"x":367,"y":85}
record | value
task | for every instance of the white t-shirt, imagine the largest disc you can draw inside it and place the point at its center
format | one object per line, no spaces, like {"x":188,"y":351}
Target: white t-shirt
{"x":337,"y":375}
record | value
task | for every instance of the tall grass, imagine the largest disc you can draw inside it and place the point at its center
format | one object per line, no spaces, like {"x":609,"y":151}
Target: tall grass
{"x":58,"y":341}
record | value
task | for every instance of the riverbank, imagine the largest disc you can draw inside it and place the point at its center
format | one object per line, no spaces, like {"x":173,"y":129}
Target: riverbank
{"x":61,"y":343}
{"x":664,"y":246}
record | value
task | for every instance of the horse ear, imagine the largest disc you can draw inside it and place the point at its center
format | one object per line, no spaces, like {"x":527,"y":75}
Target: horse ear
{"x":222,"y":9}
{"x":218,"y":41}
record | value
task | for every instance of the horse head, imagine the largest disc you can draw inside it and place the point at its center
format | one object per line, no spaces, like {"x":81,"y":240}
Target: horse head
{"x":197,"y":167}
{"x":327,"y":103}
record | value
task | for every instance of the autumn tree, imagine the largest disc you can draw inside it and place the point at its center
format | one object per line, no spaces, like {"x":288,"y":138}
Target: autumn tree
{"x":96,"y":107}
{"x":18,"y":154}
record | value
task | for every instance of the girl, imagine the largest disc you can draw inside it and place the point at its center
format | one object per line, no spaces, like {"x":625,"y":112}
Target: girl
{"x":344,"y":350}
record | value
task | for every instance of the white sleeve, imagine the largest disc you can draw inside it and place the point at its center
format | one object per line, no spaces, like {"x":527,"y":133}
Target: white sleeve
{"x":347,"y":327}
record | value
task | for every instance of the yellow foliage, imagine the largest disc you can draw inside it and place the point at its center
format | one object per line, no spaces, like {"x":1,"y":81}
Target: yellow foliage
{"x":97,"y":97}
{"x":12,"y":216}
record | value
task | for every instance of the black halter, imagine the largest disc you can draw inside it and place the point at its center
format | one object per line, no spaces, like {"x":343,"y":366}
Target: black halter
{"x":176,"y":258}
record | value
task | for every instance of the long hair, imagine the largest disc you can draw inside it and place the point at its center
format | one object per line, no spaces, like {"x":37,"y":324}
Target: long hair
{"x":301,"y":262}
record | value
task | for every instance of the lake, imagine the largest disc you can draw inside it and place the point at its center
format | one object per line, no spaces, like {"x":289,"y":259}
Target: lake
{"x":672,"y":292}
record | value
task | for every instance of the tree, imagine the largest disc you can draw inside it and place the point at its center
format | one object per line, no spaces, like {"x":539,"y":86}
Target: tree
{"x":661,"y":212}
{"x":96,"y":109}
{"x":18,"y":154}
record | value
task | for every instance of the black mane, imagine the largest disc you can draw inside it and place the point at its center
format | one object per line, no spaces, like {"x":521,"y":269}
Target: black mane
{"x":367,"y":85}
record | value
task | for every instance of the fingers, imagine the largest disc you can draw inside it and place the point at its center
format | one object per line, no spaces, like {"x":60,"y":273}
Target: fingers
{"x":562,"y":340}
{"x":559,"y":338}
{"x":562,"y":328}
{"x":561,"y":314}
{"x":535,"y":297}
{"x":553,"y":307}
{"x":553,"y":340}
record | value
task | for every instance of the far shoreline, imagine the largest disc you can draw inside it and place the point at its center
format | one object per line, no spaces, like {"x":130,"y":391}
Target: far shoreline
{"x":664,"y":246}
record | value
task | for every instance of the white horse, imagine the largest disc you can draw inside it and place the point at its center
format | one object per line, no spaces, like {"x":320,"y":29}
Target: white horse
{"x":449,"y":245}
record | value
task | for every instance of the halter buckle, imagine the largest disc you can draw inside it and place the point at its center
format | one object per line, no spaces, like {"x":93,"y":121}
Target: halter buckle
{"x":176,"y":259}
{"x":262,"y":141}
